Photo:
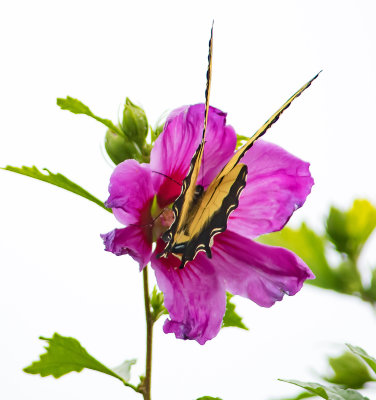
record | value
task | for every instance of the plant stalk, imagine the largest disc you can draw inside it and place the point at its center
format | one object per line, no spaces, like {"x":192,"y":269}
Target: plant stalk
{"x":146,"y":385}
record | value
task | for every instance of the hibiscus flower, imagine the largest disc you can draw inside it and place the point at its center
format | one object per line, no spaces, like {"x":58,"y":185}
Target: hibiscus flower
{"x":140,"y":195}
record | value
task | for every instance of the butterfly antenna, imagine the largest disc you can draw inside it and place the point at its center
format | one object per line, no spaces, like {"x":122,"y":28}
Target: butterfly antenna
{"x":168,"y":177}
{"x":149,"y":223}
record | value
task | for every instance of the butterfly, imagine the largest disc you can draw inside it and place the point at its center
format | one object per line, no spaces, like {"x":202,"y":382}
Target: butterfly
{"x":201,"y":214}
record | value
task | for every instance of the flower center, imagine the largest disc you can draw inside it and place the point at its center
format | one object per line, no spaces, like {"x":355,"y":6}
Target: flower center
{"x":163,"y":218}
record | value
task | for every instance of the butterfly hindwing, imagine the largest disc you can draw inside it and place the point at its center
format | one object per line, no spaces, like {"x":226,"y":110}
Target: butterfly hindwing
{"x":214,"y":209}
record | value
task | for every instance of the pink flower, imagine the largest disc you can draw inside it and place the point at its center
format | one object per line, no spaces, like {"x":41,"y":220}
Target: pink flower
{"x":195,"y":296}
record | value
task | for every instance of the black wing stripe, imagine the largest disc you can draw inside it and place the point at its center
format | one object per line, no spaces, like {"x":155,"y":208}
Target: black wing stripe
{"x":218,"y":220}
{"x":274,"y":118}
{"x":208,"y":82}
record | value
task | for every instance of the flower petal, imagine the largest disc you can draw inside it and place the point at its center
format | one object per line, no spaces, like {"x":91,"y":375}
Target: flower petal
{"x":174,"y":149}
{"x":277,"y":184}
{"x":131,"y":193}
{"x":259,"y":272}
{"x":194,"y":296}
{"x":131,"y":240}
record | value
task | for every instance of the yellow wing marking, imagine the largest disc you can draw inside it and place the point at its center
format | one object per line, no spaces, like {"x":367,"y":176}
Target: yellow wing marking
{"x":189,"y":192}
{"x":211,"y":203}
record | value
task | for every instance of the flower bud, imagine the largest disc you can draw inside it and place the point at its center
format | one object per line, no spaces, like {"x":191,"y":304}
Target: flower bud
{"x":135,"y":123}
{"x":156,"y":132}
{"x":119,"y":148}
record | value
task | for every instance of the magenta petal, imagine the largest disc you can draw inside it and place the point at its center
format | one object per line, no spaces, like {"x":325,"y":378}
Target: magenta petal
{"x":174,"y":149}
{"x":277,"y":184}
{"x":194,"y":296}
{"x":259,"y":272}
{"x":131,"y":193}
{"x":131,"y":240}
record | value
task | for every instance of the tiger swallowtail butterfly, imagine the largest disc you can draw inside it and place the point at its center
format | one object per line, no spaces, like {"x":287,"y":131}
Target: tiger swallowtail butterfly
{"x":201,"y":214}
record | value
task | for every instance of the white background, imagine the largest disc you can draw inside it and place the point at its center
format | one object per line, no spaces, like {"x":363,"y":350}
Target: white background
{"x":55,"y":275}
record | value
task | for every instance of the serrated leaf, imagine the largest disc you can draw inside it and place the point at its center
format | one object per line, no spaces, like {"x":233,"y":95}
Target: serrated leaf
{"x":350,"y":230}
{"x":231,"y":318}
{"x":64,"y":355}
{"x":311,"y":248}
{"x":371,"y":361}
{"x":77,"y":107}
{"x":208,"y":398}
{"x":349,"y":371}
{"x":57,"y":180}
{"x":328,"y":392}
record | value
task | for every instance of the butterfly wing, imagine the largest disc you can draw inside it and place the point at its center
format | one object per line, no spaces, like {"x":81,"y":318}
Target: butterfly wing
{"x":185,"y":204}
{"x":260,"y":132}
{"x":222,"y":196}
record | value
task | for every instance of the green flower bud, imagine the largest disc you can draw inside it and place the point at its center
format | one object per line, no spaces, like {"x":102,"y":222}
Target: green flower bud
{"x":156,"y":302}
{"x":135,"y":124}
{"x":119,"y":148}
{"x":156,"y":132}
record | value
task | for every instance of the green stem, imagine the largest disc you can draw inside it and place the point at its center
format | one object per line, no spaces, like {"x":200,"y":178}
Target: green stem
{"x":136,"y":389}
{"x":366,"y":297}
{"x":146,"y":385}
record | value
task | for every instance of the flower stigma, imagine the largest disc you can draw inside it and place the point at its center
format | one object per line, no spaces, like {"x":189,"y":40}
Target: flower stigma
{"x":162,"y":219}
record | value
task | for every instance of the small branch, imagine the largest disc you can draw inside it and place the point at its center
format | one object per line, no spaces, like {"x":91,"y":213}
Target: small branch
{"x":146,"y":384}
{"x":136,"y":389}
{"x":366,"y":297}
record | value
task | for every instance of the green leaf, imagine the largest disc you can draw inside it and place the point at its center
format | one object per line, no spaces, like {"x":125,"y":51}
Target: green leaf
{"x":370,"y":292}
{"x":303,"y":395}
{"x":349,"y":371}
{"x":327,"y":392}
{"x":157,"y":305}
{"x":349,"y":276}
{"x":350,"y":230}
{"x":208,"y":398}
{"x":77,"y":107}
{"x":371,"y":361}
{"x":300,"y":396}
{"x":57,"y":180}
{"x":231,"y":318}
{"x":65,"y":354}
{"x":311,"y":248}
{"x":240,"y":140}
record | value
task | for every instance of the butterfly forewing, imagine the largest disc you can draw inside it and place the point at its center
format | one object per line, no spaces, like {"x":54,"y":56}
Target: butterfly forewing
{"x":260,"y":132}
{"x":184,"y":205}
